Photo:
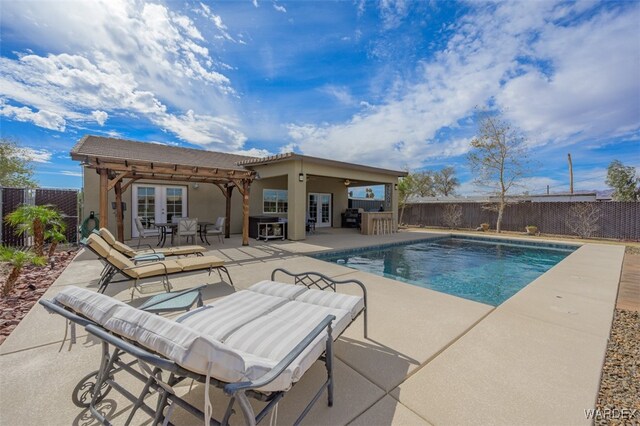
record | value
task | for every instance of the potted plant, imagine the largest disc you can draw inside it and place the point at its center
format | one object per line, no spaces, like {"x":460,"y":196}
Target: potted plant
{"x":484,"y":226}
{"x":531,"y":230}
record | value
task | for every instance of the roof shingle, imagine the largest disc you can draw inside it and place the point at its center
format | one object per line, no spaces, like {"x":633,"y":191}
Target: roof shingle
{"x":155,"y":153}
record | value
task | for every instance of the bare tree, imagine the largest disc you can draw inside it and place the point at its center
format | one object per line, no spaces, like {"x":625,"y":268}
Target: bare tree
{"x":414,"y":184}
{"x":583,"y":219}
{"x":452,"y":215}
{"x":498,"y":157}
{"x":445,"y":181}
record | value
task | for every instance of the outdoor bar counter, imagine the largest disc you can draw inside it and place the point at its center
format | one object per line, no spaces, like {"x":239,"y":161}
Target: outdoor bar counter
{"x":375,"y":223}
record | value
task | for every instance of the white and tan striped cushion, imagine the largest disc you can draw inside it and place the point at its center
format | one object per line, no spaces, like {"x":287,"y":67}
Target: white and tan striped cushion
{"x":223,"y":316}
{"x":329,"y":299}
{"x":273,"y":288}
{"x":94,"y":306}
{"x":274,"y":335}
{"x":189,"y":348}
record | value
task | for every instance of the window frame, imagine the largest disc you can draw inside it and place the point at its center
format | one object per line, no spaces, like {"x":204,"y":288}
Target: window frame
{"x":279,"y":202}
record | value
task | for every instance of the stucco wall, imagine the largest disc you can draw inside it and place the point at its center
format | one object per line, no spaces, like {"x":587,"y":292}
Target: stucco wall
{"x":207,"y":202}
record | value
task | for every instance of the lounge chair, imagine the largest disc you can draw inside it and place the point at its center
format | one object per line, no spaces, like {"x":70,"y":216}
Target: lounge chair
{"x":149,"y":251}
{"x":117,"y":263}
{"x":255,"y":343}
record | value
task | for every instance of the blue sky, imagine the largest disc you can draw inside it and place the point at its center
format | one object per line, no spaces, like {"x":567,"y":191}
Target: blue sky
{"x":389,"y":83}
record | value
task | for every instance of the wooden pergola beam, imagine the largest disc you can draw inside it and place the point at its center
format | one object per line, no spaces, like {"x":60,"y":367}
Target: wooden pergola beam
{"x":177,"y":171}
{"x":104,"y":197}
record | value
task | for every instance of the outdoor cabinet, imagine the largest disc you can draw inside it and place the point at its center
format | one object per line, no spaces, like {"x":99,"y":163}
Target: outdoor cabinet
{"x":270,"y":230}
{"x":254,"y":221}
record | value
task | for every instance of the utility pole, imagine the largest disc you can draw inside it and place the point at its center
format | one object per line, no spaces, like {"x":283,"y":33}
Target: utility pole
{"x":570,"y":174}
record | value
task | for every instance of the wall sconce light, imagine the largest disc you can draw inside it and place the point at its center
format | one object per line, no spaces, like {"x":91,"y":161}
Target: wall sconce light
{"x":395,"y":186}
{"x":347,"y":182}
{"x":301,"y":177}
{"x":85,"y":162}
{"x":196,"y":185}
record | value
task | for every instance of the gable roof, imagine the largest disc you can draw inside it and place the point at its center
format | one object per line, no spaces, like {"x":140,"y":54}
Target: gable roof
{"x":122,"y":149}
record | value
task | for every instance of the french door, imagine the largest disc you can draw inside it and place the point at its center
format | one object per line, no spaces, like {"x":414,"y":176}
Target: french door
{"x":157,"y":204}
{"x":320,"y":209}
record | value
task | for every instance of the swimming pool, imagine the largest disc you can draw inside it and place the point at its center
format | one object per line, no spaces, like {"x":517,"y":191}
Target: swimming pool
{"x":481,"y":269}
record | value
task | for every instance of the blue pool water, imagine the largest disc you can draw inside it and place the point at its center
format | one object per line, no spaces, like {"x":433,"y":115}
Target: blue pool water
{"x":477,"y":269}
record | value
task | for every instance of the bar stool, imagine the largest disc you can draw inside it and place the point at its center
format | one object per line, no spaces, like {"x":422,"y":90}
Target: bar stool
{"x":376,"y":225}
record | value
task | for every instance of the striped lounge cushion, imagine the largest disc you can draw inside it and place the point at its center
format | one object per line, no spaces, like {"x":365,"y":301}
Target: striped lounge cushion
{"x":353,"y":304}
{"x":223,"y":316}
{"x":91,"y":305}
{"x":273,"y":288}
{"x":274,"y":335}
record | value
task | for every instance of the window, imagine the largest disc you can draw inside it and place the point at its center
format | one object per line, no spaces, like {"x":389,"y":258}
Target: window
{"x":274,"y":201}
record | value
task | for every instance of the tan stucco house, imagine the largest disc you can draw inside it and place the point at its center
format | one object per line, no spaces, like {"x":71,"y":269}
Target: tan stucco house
{"x":156,"y":181}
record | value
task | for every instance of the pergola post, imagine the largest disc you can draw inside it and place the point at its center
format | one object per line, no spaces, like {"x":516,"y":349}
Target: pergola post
{"x":227,"y":222}
{"x":104,"y":195}
{"x":245,"y":212}
{"x":119,"y":223}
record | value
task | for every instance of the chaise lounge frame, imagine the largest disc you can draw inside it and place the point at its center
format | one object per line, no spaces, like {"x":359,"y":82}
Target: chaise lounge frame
{"x":103,"y":380}
{"x":110,"y":270}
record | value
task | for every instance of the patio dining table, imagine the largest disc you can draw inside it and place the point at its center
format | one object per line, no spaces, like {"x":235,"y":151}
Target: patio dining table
{"x":170,"y":228}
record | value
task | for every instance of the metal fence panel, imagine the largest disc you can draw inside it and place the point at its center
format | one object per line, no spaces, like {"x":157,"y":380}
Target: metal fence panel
{"x":65,"y":200}
{"x":12,"y":198}
{"x":616,"y":219}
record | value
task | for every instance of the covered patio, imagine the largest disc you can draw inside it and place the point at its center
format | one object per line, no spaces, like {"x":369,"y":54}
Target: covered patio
{"x":120,"y":163}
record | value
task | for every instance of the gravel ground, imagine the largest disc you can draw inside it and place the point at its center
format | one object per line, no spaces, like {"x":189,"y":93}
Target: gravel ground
{"x":620,"y":383}
{"x":31,"y":285}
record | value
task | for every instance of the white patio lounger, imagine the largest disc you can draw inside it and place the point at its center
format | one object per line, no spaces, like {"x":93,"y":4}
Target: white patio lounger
{"x":254,"y":343}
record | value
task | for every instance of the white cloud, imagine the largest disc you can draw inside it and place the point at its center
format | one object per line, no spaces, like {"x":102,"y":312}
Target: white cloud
{"x":592,"y":66}
{"x":100,"y":116}
{"x":36,"y":155}
{"x":42,"y":118}
{"x":70,"y":173}
{"x":341,"y":93}
{"x":207,"y":131}
{"x":254,"y":152}
{"x":255,"y":3}
{"x":279,"y":8}
{"x":135,"y":58}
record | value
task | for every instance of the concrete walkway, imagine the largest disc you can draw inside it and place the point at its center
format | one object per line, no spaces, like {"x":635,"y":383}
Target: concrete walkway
{"x":431,"y":358}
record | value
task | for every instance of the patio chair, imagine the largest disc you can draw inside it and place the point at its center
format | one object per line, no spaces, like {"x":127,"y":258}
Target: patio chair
{"x":255,"y":343}
{"x":216,"y":229}
{"x":117,"y":263}
{"x":187,"y":228}
{"x":149,"y":252}
{"x":143,"y":232}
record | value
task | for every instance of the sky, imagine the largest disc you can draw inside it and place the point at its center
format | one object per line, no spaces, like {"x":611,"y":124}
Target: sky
{"x":388,"y":83}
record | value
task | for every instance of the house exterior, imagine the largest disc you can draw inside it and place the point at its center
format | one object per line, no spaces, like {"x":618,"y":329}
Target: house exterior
{"x":156,"y":182}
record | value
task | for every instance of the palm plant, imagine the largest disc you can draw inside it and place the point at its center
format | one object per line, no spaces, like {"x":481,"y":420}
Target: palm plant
{"x":34,"y":220}
{"x":55,"y":234}
{"x":17,"y":259}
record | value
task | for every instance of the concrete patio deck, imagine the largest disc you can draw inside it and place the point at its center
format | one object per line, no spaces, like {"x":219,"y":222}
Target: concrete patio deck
{"x":431,"y":358}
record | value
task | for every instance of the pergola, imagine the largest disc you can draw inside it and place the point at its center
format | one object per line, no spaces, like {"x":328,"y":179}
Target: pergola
{"x":118,"y":174}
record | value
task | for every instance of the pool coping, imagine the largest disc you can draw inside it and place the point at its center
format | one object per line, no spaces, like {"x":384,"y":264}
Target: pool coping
{"x":549,"y":337}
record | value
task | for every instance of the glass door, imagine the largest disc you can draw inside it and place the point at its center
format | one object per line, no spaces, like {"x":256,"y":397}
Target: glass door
{"x":157,"y":204}
{"x":320,"y":209}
